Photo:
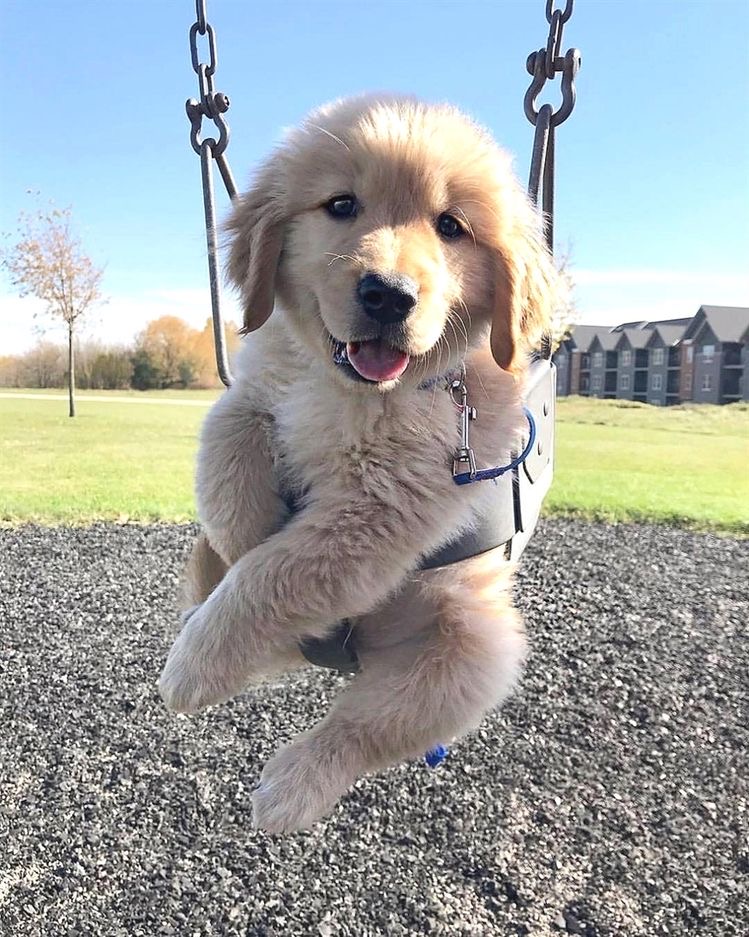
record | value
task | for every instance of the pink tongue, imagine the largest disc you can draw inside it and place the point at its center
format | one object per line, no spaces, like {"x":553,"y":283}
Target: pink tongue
{"x":377,"y":361}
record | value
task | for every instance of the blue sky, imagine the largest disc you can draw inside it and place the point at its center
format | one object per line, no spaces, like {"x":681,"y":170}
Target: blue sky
{"x":652,"y":167}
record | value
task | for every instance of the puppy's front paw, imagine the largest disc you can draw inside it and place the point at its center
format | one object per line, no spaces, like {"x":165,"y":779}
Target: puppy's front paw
{"x":298,"y":786}
{"x":200,"y":670}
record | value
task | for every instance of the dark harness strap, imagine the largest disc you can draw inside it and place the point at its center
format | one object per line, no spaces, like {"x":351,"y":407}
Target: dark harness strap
{"x":510,"y":523}
{"x":336,"y":651}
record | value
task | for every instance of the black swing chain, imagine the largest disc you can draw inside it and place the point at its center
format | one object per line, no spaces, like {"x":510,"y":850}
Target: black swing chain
{"x":543,"y":66}
{"x":212,"y":105}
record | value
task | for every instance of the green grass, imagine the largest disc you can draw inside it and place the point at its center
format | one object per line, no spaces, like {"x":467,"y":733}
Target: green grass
{"x":616,"y":461}
{"x":114,"y":461}
{"x":172,"y":394}
{"x":621,"y":461}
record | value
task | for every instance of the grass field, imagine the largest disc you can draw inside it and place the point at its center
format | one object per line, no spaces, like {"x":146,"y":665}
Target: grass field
{"x":205,"y":395}
{"x":114,"y":461}
{"x":621,"y":461}
{"x":117,"y":460}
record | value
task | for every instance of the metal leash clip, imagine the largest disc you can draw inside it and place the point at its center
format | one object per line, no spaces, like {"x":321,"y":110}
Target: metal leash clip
{"x":464,"y":460}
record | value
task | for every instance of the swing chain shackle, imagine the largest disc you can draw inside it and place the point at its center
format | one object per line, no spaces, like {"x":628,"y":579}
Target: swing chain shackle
{"x":212,"y":105}
{"x":543,"y":65}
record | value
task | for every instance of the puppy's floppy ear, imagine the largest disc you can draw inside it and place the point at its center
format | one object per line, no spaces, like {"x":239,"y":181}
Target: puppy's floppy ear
{"x":256,"y":229}
{"x":525,"y":293}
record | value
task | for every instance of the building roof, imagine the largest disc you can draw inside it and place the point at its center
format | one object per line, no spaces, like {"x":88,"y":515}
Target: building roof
{"x":670,"y":334}
{"x":683,"y":321}
{"x":640,"y":324}
{"x":637,"y":338}
{"x":729,"y":323}
{"x":582,"y":335}
{"x":607,"y":340}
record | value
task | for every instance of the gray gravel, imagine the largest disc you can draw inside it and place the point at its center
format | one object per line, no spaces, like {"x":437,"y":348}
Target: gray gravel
{"x":608,"y":797}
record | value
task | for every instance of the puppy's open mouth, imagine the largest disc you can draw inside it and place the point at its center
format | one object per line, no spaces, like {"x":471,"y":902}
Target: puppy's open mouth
{"x":372,"y":360}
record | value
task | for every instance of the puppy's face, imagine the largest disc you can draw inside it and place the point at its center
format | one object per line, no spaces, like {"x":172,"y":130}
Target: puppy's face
{"x":394,"y":234}
{"x":385,"y":256}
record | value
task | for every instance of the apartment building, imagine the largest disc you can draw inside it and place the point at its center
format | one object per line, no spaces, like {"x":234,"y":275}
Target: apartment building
{"x":704,"y":358}
{"x":719,"y":337}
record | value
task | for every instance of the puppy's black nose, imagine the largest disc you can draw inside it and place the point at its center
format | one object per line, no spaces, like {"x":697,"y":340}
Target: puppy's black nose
{"x":387,"y":297}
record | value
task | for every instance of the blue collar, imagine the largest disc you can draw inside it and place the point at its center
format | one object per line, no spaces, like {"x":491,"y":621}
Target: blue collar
{"x":480,"y":475}
{"x":464,"y":460}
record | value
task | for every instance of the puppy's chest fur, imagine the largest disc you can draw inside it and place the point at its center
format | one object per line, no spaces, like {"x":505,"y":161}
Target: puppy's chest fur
{"x":328,"y":440}
{"x":387,"y":450}
{"x":360,"y":444}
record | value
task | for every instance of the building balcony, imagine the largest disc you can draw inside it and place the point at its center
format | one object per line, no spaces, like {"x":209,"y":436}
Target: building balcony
{"x":732,"y":355}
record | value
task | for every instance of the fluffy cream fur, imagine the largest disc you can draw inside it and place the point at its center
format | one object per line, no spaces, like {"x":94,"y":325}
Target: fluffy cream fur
{"x":371,"y":463}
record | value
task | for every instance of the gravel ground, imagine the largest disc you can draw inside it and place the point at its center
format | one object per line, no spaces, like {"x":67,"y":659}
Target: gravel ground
{"x":608,"y":797}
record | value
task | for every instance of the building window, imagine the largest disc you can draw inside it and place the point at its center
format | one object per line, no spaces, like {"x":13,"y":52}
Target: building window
{"x":707,"y":353}
{"x":597,"y":359}
{"x":707,"y":382}
{"x":690,"y":353}
{"x":626,"y":358}
{"x":597,"y":382}
{"x":657,"y":382}
{"x":624,"y":382}
{"x":656,"y":356}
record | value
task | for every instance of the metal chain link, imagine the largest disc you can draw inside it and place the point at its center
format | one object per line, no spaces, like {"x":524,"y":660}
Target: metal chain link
{"x":210,"y":103}
{"x":543,"y":65}
{"x":213,"y":105}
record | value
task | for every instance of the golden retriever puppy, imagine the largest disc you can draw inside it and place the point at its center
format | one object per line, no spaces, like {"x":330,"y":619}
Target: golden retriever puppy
{"x":383,"y":247}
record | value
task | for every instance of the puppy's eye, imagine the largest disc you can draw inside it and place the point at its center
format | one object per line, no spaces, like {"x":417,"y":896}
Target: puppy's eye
{"x":449,"y":226}
{"x":342,"y":206}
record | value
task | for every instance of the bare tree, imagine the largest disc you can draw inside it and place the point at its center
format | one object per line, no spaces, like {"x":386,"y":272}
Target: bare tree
{"x":47,"y":261}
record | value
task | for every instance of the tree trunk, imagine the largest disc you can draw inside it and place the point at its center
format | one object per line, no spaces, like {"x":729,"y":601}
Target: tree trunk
{"x":71,"y":373}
